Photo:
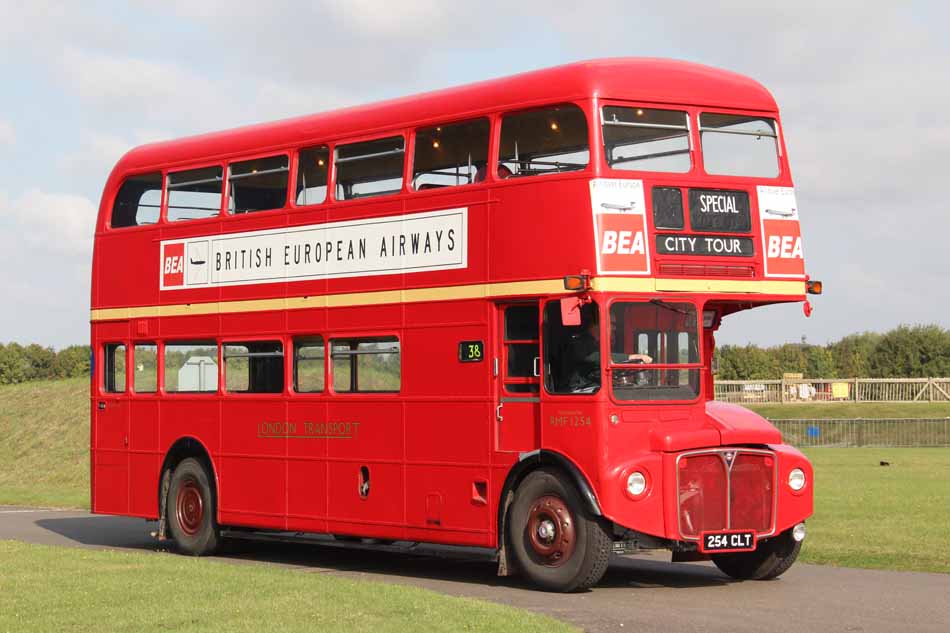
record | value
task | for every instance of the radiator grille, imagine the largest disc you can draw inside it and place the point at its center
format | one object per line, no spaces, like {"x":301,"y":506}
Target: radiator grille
{"x":729,"y":489}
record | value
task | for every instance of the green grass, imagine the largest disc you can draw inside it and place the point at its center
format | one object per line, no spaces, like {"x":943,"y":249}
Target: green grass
{"x":44,"y":443}
{"x":896,"y":517}
{"x":64,"y":589}
{"x":884,"y":517}
{"x":838,"y":410}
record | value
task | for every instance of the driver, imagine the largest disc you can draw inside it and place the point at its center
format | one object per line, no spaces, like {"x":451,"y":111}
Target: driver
{"x":584,"y":354}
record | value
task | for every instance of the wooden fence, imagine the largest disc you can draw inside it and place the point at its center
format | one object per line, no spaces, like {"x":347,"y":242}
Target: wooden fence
{"x":834,"y":390}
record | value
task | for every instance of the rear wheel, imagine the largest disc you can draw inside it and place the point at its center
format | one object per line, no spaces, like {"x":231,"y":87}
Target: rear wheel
{"x":553,"y":540}
{"x":771,"y":559}
{"x":191,"y":509}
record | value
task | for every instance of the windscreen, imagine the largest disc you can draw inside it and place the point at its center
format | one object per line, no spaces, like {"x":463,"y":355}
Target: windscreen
{"x":644,"y":139}
{"x":739,"y":145}
{"x":654,"y":350}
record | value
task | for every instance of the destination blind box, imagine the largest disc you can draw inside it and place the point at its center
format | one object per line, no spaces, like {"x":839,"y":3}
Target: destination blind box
{"x":720,"y":245}
{"x":719,"y":211}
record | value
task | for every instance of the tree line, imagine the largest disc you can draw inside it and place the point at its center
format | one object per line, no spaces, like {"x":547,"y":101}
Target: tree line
{"x":918,"y":351}
{"x":22,"y":363}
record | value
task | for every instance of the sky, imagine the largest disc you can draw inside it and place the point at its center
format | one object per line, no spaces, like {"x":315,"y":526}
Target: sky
{"x":864,"y":96}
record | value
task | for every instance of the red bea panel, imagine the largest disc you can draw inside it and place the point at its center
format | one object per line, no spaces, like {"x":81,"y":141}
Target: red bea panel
{"x":783,"y":248}
{"x":622,"y":245}
{"x":173,"y":265}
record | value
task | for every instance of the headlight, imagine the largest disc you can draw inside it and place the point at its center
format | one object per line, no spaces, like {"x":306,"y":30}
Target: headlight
{"x":636,"y":484}
{"x":796,"y":479}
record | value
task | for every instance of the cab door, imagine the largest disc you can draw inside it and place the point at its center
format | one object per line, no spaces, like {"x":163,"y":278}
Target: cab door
{"x":517,"y":377}
{"x":111,"y":432}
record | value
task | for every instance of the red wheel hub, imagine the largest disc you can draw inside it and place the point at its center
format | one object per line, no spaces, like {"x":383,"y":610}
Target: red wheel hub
{"x":551,"y":531}
{"x":189,"y":507}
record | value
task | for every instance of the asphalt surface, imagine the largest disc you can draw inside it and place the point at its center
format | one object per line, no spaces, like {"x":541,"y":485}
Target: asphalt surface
{"x":642,"y":593}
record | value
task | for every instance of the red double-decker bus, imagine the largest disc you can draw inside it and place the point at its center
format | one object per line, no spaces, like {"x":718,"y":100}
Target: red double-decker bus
{"x":483,"y":316}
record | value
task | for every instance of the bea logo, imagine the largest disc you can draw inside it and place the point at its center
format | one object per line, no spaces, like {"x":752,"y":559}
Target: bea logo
{"x":783,"y":248}
{"x":173,"y":265}
{"x":622,"y":242}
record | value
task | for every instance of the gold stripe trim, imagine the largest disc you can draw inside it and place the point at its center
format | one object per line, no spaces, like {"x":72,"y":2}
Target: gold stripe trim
{"x":449,"y":293}
{"x":627,"y":284}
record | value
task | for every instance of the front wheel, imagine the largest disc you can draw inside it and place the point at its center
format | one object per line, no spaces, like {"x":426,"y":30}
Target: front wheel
{"x":191,"y":509}
{"x":771,"y":559}
{"x":554,"y":542}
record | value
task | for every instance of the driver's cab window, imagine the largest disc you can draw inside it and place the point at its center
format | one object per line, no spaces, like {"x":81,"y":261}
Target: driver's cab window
{"x":572,"y":351}
{"x":654,"y":350}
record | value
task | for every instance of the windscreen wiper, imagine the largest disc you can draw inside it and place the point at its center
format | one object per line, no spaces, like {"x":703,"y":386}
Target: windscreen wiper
{"x":659,"y":303}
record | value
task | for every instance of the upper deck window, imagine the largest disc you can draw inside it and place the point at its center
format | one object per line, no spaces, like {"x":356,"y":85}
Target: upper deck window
{"x":313,"y":165}
{"x":738,"y":145}
{"x":258,"y":185}
{"x":373,"y":168}
{"x":548,"y":141}
{"x":641,"y":139}
{"x":194,"y":194}
{"x":138,"y":202}
{"x":450,"y":155}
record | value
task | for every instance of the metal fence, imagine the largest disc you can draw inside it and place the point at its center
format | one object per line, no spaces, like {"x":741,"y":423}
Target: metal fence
{"x":885,"y":433}
{"x":834,"y":390}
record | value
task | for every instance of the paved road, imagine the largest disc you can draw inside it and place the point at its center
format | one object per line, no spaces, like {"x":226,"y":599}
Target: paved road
{"x":642,"y":594}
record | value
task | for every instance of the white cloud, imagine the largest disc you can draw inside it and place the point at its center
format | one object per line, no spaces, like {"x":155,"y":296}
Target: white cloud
{"x":136,"y":92}
{"x":7,"y":134}
{"x":45,"y":263}
{"x":96,"y":154}
{"x":56,"y":224}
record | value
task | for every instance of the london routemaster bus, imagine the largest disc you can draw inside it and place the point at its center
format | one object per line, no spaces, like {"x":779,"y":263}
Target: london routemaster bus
{"x":482,"y":316}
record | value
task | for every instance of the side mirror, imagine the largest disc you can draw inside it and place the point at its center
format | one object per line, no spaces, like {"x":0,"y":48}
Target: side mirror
{"x":571,"y":311}
{"x":714,"y":365}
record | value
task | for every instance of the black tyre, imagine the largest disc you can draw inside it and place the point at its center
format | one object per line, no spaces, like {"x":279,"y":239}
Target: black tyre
{"x":771,"y":559}
{"x":191,"y":509}
{"x":554,"y":541}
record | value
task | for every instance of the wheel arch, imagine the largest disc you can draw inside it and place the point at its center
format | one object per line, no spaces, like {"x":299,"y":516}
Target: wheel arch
{"x":531,"y":461}
{"x":181,"y":449}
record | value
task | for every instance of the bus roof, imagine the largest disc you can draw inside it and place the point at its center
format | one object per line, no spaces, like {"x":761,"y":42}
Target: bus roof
{"x":638,"y":79}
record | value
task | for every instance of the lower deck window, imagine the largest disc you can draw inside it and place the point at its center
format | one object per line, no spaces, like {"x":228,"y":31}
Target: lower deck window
{"x":191,"y":367}
{"x":309,"y":356}
{"x":254,"y":367}
{"x":366,"y":365}
{"x":145,"y":362}
{"x":113,"y":379}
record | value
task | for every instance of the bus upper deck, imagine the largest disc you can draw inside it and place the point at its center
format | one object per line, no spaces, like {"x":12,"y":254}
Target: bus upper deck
{"x":657,"y":176}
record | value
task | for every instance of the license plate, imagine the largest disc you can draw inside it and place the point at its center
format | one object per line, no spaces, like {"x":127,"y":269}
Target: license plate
{"x":729,"y":541}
